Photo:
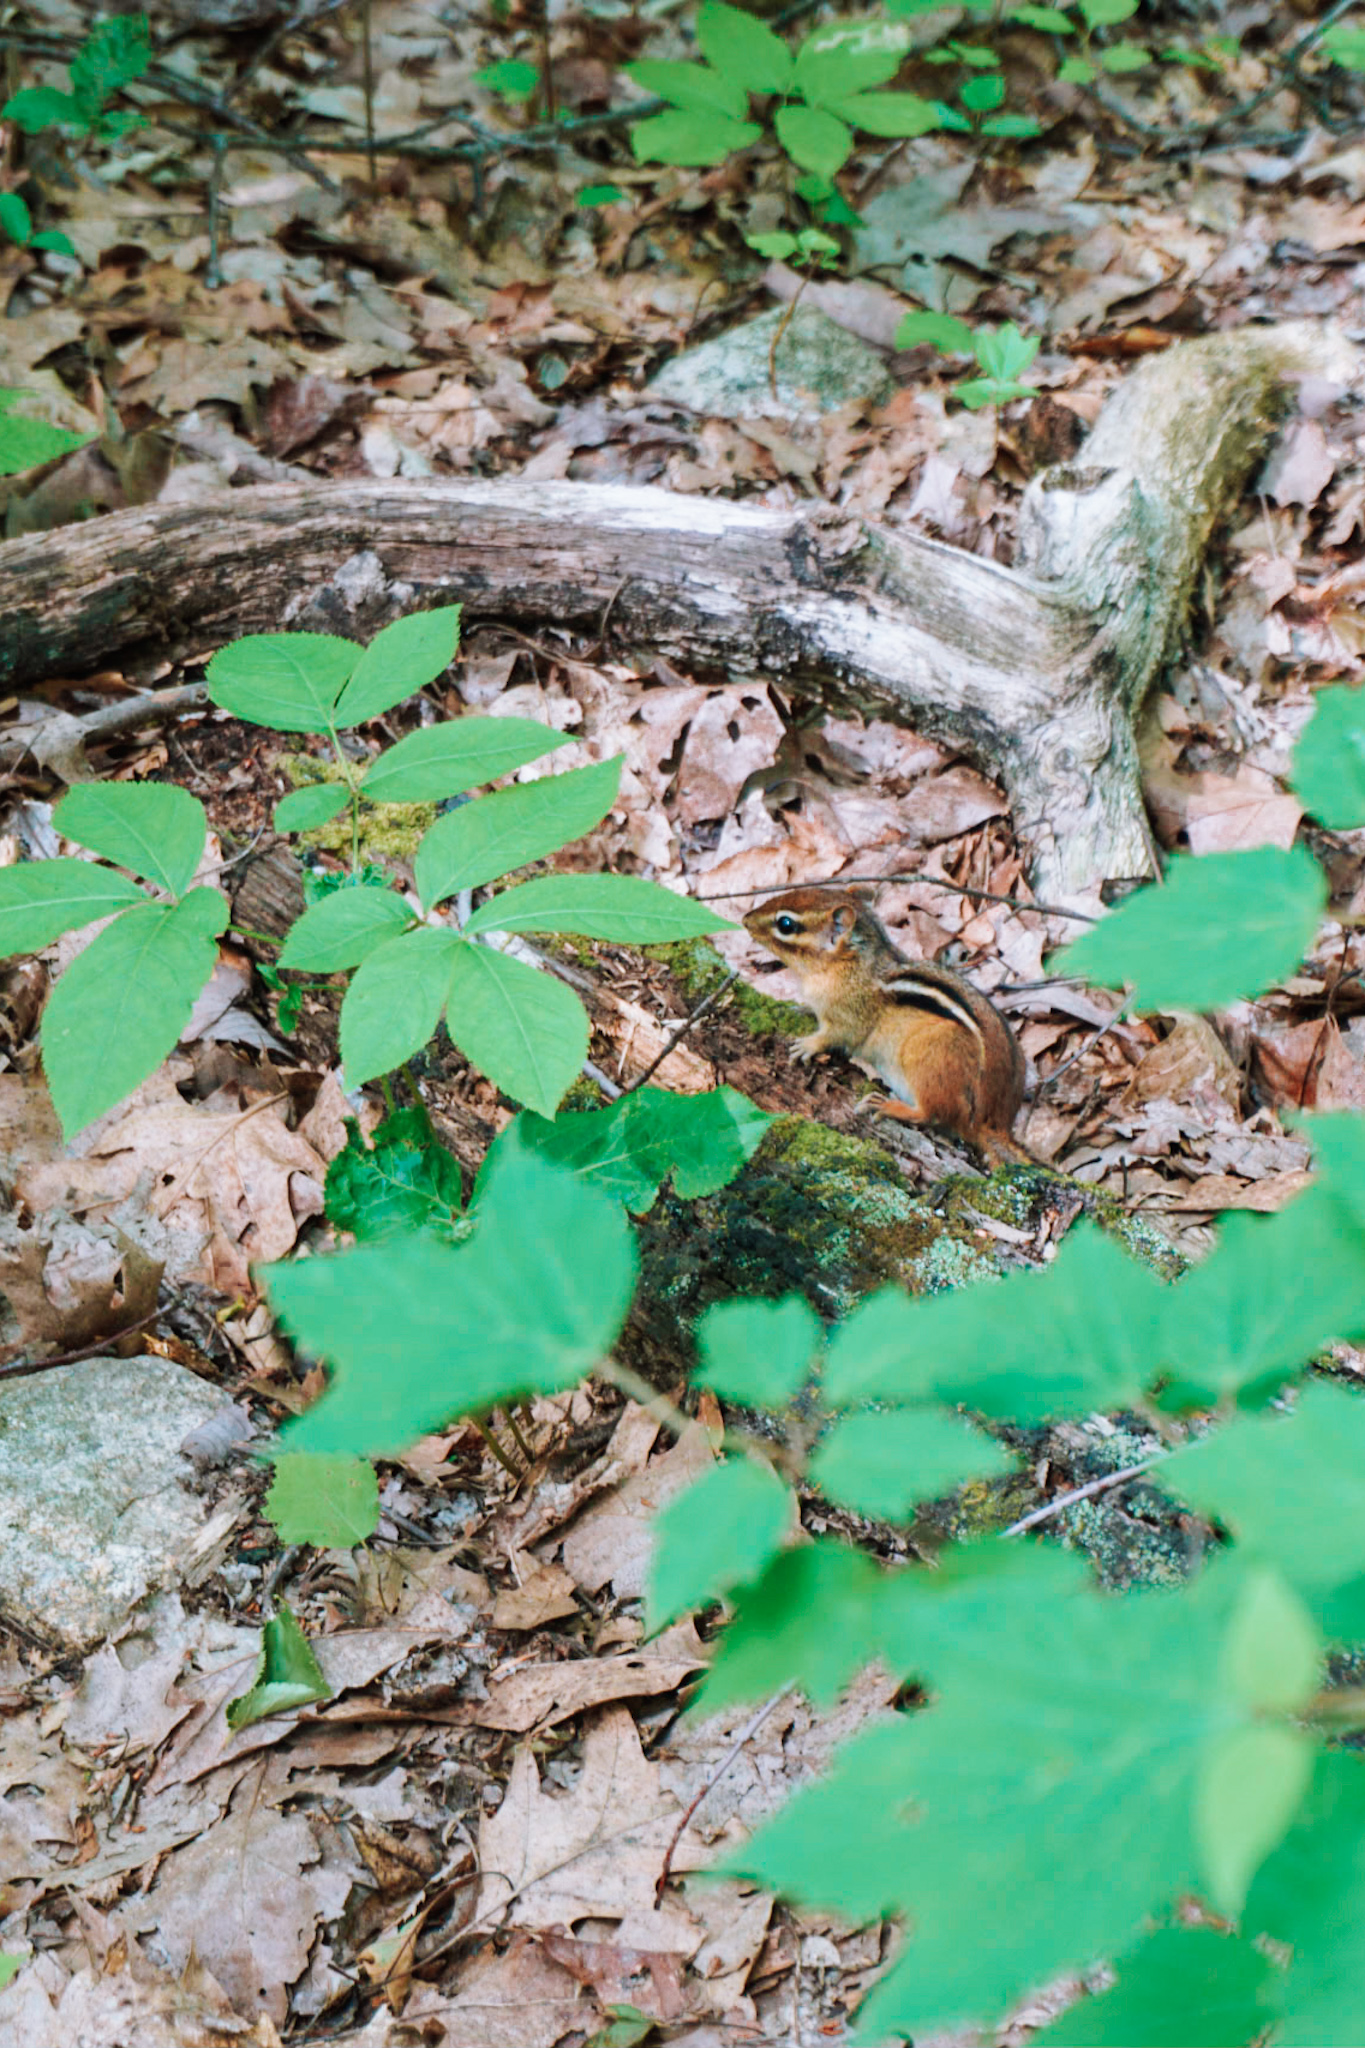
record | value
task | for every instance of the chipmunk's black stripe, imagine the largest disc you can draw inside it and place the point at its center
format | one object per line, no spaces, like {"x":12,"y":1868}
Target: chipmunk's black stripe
{"x":911,"y":993}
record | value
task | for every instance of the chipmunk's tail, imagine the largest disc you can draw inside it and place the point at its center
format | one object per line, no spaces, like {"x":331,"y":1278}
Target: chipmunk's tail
{"x":1002,"y":1148}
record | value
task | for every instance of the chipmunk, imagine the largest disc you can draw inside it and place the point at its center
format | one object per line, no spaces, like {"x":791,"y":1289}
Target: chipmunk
{"x":941,"y":1047}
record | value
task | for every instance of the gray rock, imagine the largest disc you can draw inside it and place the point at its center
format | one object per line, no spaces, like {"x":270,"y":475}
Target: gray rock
{"x":95,"y":1512}
{"x":820,"y":366}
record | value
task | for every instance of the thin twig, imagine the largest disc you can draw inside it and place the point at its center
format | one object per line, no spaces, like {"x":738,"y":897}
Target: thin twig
{"x":1089,"y":1046}
{"x":25,"y":1368}
{"x":746,"y":1734}
{"x":1087,"y":1492}
{"x":706,"y":1003}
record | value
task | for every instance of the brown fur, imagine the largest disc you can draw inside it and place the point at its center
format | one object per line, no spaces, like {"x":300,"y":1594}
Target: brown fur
{"x":941,"y":1047}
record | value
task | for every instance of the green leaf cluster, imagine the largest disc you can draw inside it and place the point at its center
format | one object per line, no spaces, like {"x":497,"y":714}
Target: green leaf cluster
{"x":116,"y":51}
{"x":1002,"y":353}
{"x":123,"y":1002}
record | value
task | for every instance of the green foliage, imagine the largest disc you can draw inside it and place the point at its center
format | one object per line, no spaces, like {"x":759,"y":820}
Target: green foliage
{"x":115,"y":52}
{"x":419,"y":1331}
{"x":1001,"y":352}
{"x":633,"y":1145}
{"x":1329,"y":760}
{"x":716,"y":1536}
{"x":526,"y":1030}
{"x":333,"y":1502}
{"x":511,"y":80}
{"x":17,"y":223}
{"x":287,"y":1675}
{"x":1344,"y":43}
{"x":26,"y":443}
{"x":11,"y":1965}
{"x":883,"y":1464}
{"x":1310,"y":1895}
{"x":152,"y":828}
{"x":758,"y":1353}
{"x":1186,"y":1987}
{"x":403,"y":1180}
{"x":1223,"y":926}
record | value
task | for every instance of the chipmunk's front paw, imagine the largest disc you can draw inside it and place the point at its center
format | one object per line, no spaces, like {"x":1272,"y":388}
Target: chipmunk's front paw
{"x":804,"y":1049}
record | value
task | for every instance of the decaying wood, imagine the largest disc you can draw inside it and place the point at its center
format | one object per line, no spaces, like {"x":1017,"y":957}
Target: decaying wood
{"x":1037,"y":671}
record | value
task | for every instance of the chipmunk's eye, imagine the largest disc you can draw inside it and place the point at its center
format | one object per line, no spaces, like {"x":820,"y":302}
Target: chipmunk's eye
{"x":786,"y":925}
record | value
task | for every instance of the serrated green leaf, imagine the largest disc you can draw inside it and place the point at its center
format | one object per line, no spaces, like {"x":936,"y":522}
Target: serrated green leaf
{"x":696,"y":88}
{"x":122,"y":1004}
{"x":1288,"y":1487}
{"x":772,"y":1643}
{"x":1251,"y":1786}
{"x":445,"y":760}
{"x":290,"y":681}
{"x":517,"y":1024}
{"x":403,"y":1180}
{"x":758,"y":1353}
{"x":942,"y":331}
{"x":892,"y":114}
{"x":330,"y":1502}
{"x":717,"y":1535}
{"x":814,"y":139}
{"x":1328,"y":768}
{"x":344,"y":929}
{"x":1310,"y":1896}
{"x":41,"y":899}
{"x":420,"y":1332}
{"x":691,"y":137}
{"x":395,"y":1000}
{"x":303,"y":809}
{"x":491,"y":835}
{"x":618,"y":908}
{"x":1185,"y":1987}
{"x":743,"y":48}
{"x":399,"y":661}
{"x":287,"y":1675}
{"x":1083,"y":1334}
{"x":632,"y":1146}
{"x":115,"y":52}
{"x":154,"y":828}
{"x":883,"y":1464}
{"x":1003,"y":351}
{"x":1225,"y":925}
{"x":1053,"y":1704}
{"x":829,"y":70}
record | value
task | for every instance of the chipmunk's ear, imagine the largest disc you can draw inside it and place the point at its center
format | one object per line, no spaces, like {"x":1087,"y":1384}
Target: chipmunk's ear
{"x":842,"y":919}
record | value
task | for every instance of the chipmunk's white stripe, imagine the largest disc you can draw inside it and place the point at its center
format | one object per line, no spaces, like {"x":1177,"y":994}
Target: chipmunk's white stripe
{"x":916,"y":992}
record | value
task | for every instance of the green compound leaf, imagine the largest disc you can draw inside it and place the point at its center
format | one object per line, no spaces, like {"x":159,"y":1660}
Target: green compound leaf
{"x":331,"y":1502}
{"x":1328,"y":769}
{"x":41,"y":899}
{"x":1186,"y":1987}
{"x":892,"y":114}
{"x":1226,"y":925}
{"x":809,"y":1621}
{"x":399,"y":661}
{"x":287,"y":1675}
{"x":344,"y":929}
{"x":1083,"y":1334}
{"x":814,"y":139}
{"x":1003,"y":351}
{"x":445,"y":760}
{"x":694,"y":87}
{"x":420,"y":1332}
{"x":517,"y":1024}
{"x":1310,"y":1895}
{"x":833,"y":68}
{"x":115,"y":52}
{"x":1053,"y":1702}
{"x":403,"y":1180}
{"x":743,"y":48}
{"x":154,"y":828}
{"x":717,"y":1535}
{"x":630,"y":1148}
{"x":290,"y":681}
{"x":303,"y":809}
{"x":1286,"y":1486}
{"x":691,"y":137}
{"x":395,"y":1001}
{"x":620,"y":908}
{"x":758,"y":1353}
{"x":122,"y":1004}
{"x":883,"y":1464}
{"x":486,"y":838}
